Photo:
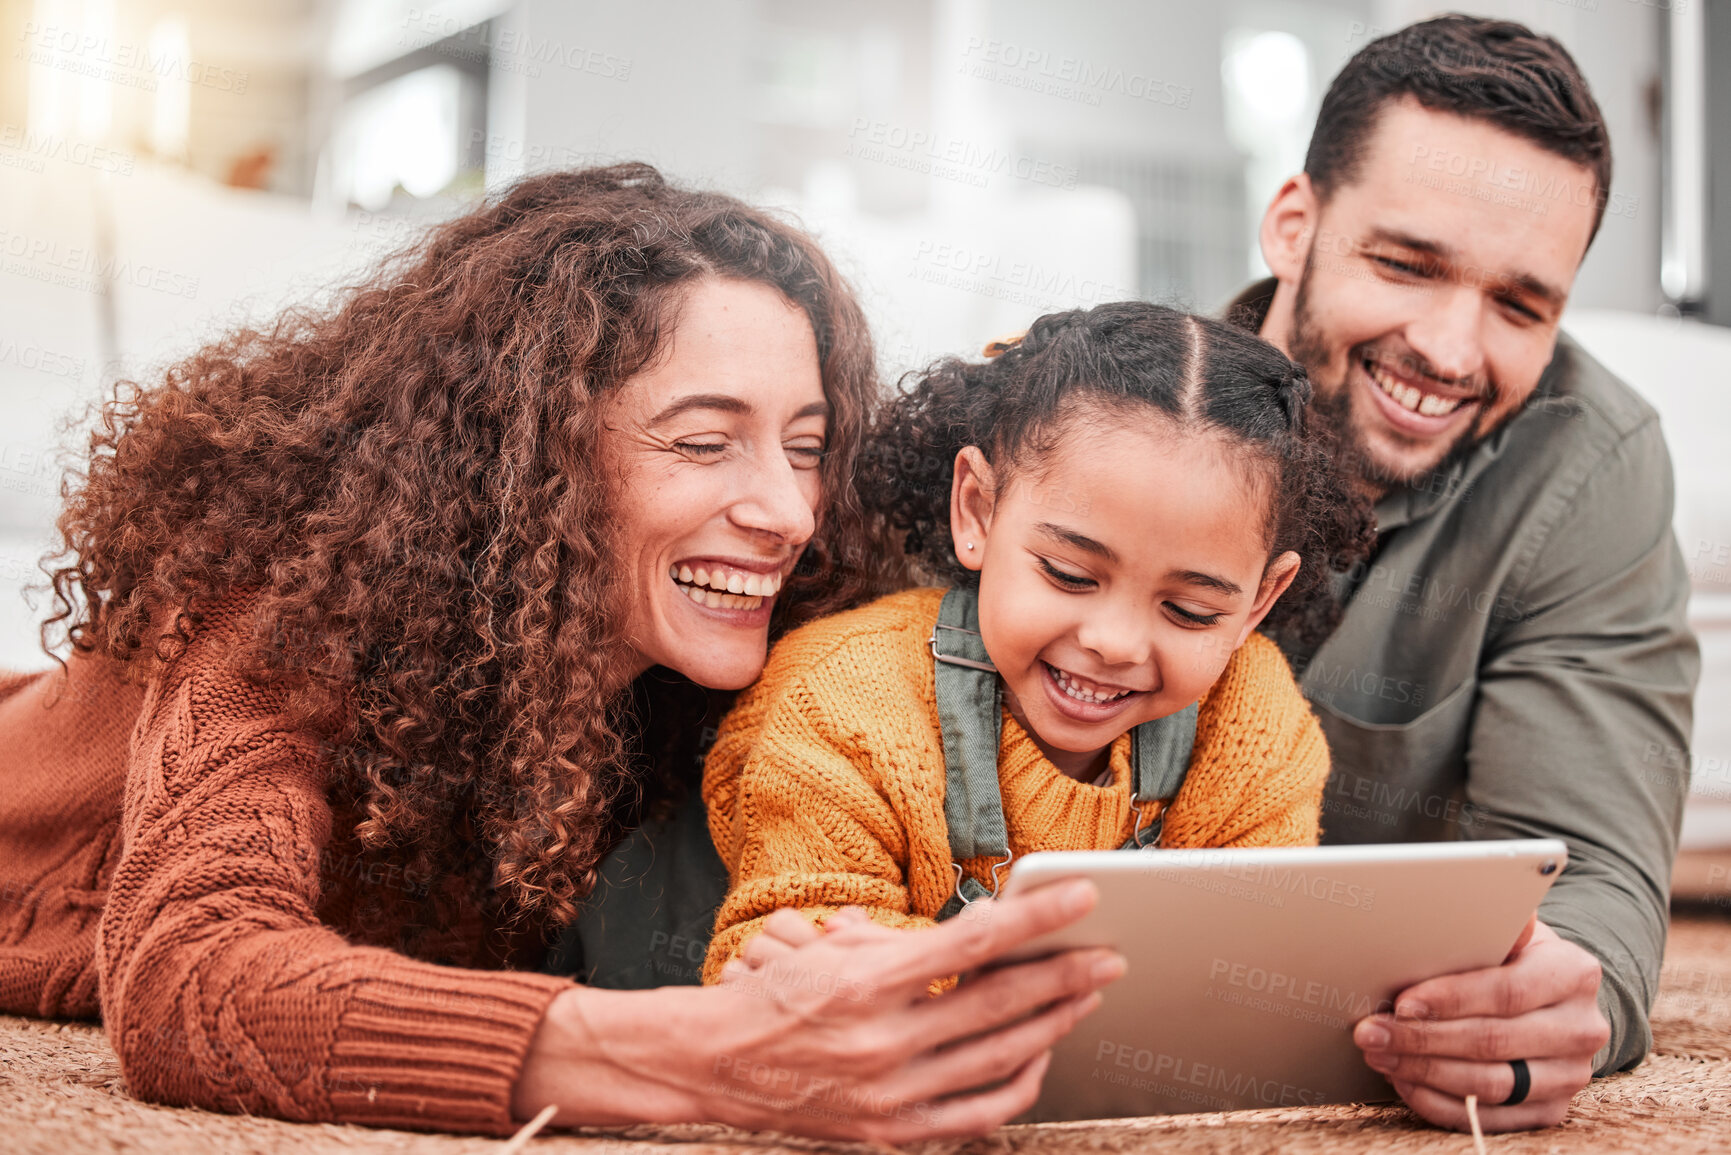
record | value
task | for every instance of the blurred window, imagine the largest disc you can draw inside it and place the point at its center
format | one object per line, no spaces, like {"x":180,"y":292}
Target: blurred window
{"x":404,"y":133}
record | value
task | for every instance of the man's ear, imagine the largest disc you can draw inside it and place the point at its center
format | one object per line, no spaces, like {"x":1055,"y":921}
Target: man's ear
{"x":1275,"y":582}
{"x":1289,"y":228}
{"x":973,"y":496}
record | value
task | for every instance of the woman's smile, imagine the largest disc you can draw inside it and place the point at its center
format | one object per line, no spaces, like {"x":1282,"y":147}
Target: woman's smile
{"x":742,"y":593}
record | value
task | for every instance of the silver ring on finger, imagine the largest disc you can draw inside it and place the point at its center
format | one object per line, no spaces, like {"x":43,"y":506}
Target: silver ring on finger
{"x":1523,"y":1083}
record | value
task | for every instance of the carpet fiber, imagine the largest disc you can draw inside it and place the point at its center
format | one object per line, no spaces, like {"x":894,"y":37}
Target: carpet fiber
{"x":60,"y":1092}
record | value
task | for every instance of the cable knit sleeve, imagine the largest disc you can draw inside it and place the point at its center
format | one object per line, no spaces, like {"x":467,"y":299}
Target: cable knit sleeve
{"x":807,"y":792}
{"x":221,"y":988}
{"x":808,"y":828}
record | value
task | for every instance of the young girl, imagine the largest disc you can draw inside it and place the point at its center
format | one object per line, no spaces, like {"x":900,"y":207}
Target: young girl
{"x":1118,"y":500}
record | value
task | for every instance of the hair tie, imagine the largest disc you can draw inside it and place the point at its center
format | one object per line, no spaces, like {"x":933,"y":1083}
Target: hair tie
{"x":1001,"y":345}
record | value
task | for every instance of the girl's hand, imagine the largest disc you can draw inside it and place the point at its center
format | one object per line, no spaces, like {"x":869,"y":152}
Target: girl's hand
{"x":786,"y":931}
{"x":840,"y":1039}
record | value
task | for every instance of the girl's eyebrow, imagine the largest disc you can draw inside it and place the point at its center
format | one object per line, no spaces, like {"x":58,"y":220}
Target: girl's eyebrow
{"x":1080,"y":540}
{"x":1207,"y":580}
{"x":1087,"y":544}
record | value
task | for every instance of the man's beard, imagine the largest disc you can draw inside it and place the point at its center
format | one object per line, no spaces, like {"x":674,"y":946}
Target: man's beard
{"x":1331,"y":403}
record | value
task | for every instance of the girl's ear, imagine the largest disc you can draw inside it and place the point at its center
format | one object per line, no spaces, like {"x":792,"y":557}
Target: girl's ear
{"x":1274,"y":583}
{"x":973,"y":495}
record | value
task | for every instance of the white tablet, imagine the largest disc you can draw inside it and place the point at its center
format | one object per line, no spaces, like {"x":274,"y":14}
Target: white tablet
{"x":1248,"y":968}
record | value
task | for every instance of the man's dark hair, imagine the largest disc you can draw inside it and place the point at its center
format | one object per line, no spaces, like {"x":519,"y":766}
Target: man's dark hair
{"x":1491,"y":70}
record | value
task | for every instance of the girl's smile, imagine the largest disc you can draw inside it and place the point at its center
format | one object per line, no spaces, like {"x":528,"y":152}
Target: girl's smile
{"x":1086,"y":701}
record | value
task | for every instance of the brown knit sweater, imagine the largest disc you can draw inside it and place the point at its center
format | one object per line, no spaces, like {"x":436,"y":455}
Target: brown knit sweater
{"x":168,"y":857}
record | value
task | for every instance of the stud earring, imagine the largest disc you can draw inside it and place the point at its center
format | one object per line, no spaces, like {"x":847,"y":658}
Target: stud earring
{"x":970,"y":545}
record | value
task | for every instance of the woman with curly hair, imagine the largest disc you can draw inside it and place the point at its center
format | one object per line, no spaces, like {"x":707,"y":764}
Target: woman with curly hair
{"x":1117,"y":503}
{"x":368,"y":615}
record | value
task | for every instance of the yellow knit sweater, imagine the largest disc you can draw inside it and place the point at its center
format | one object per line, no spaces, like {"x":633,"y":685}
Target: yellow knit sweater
{"x":825,"y":787}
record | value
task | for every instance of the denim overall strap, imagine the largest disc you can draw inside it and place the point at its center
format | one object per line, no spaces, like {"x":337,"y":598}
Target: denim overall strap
{"x":969,"y":718}
{"x":1160,"y":755}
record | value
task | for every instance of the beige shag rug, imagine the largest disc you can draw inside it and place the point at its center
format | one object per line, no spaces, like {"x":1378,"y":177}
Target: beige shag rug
{"x":60,"y":1094}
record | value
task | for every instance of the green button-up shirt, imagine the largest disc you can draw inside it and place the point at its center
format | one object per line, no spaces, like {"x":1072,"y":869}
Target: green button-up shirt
{"x":1513,"y":662}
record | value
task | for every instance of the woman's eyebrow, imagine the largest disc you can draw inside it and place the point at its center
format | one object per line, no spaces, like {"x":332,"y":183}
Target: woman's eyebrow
{"x":1080,"y":541}
{"x":721,"y":402}
{"x":725,"y":403}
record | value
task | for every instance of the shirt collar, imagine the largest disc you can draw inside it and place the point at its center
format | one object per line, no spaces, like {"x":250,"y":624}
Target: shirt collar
{"x":1250,"y":308}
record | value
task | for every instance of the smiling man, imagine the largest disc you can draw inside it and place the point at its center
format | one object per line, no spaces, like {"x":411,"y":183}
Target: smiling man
{"x":1516,"y":644}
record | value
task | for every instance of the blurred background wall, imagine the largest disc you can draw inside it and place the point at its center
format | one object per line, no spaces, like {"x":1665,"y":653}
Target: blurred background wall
{"x":172,"y":168}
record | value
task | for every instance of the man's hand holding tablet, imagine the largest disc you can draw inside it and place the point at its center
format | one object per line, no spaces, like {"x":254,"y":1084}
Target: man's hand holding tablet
{"x":1460,"y":1035}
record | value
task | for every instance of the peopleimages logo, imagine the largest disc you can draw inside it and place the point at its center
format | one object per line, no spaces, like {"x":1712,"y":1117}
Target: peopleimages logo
{"x":1067,"y":77}
{"x":787,"y":1089}
{"x":1021,"y":282}
{"x":36,"y":147}
{"x":121,"y":62}
{"x":1488,"y":178}
{"x":1291,"y":881}
{"x":1321,"y":680}
{"x":508,"y":50}
{"x":1310,"y":992}
{"x":949,"y":157}
{"x":73,"y":267}
{"x":38,"y":359}
{"x":1181,"y":1078}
